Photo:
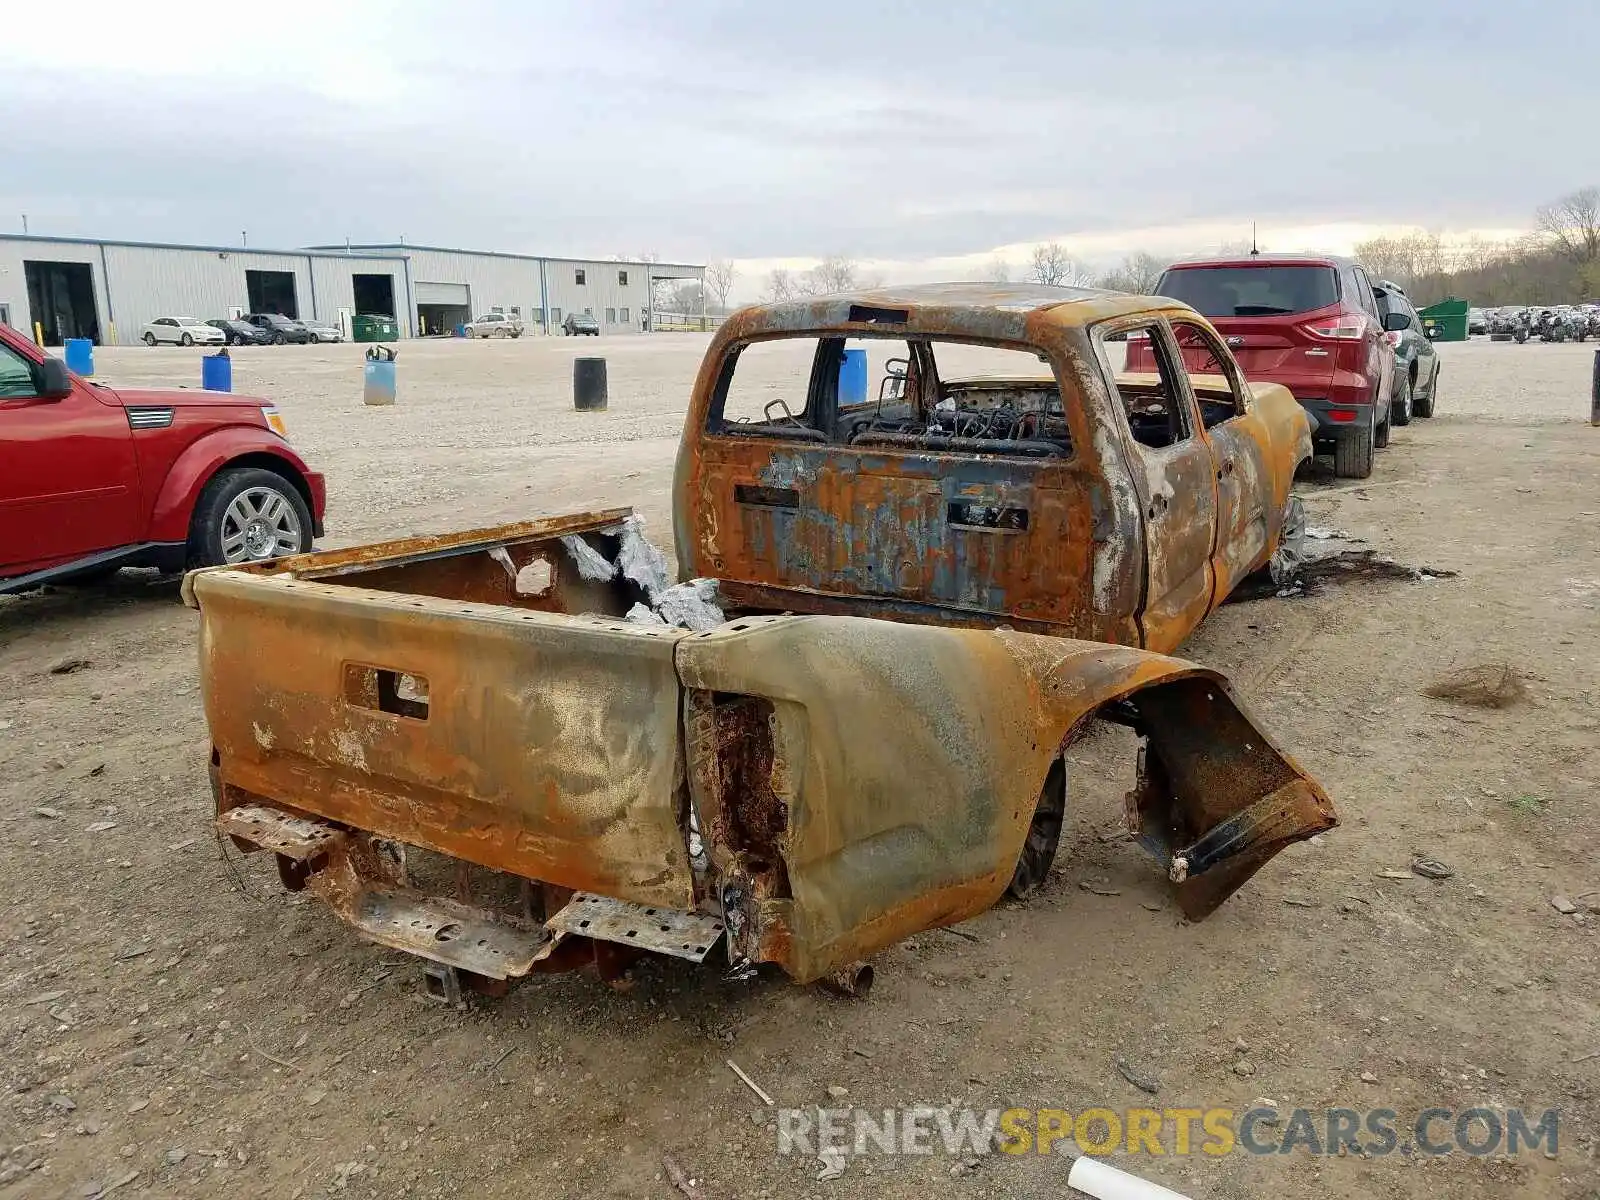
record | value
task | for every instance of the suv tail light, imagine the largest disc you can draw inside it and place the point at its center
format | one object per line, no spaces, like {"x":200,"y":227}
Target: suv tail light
{"x":1341,"y":327}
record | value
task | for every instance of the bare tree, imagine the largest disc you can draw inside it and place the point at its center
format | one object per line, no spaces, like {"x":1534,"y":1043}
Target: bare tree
{"x":1051,"y":263}
{"x":836,"y":273}
{"x":781,"y":284}
{"x":998,"y":270}
{"x":719,"y":278}
{"x":1138,"y":274}
{"x":1572,"y":225}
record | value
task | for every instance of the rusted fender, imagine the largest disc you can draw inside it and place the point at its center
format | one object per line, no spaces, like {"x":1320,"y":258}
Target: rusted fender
{"x":905,"y":762}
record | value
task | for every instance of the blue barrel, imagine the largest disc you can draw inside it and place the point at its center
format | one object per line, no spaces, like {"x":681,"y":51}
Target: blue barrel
{"x":80,"y":356}
{"x":853,"y":378}
{"x":377,"y":382}
{"x":216,"y":372}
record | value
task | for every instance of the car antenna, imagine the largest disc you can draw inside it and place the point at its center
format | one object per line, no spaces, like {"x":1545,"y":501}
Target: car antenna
{"x":1255,"y":250}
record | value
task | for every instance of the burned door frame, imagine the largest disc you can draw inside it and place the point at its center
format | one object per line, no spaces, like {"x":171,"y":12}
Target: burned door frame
{"x":759,"y":483}
{"x":1176,"y":487}
{"x":1244,"y":529}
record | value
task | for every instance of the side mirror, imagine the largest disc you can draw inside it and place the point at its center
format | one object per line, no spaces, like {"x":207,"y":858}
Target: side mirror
{"x":55,"y":381}
{"x":1396,"y":321}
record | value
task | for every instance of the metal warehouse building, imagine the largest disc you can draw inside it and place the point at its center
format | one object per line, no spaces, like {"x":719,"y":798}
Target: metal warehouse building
{"x":57,"y":288}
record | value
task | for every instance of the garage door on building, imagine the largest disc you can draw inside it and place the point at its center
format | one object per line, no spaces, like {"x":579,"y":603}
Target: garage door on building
{"x":442,"y":306}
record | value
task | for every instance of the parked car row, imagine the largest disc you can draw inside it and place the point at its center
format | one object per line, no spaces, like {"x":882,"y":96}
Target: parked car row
{"x":1559,"y":323}
{"x":1349,"y":348}
{"x":256,"y":329}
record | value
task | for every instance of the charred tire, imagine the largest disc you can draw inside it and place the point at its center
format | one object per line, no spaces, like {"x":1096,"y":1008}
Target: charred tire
{"x":150,"y":339}
{"x":1400,"y":406}
{"x":1352,"y":457}
{"x":216,"y":532}
{"x":1422,"y":406}
{"x":1044,"y":835}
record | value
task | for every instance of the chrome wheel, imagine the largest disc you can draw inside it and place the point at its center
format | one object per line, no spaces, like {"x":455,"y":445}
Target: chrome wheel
{"x":258,"y":525}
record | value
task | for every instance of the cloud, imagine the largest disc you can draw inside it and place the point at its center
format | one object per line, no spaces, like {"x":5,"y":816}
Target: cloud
{"x":921,"y":136}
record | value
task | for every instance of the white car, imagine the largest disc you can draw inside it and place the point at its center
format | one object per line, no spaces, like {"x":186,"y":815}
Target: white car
{"x":495,"y":325}
{"x":182,"y":331}
{"x":321,"y":331}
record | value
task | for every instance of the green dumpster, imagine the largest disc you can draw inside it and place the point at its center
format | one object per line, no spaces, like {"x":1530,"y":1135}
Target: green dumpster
{"x":1445,"y":321}
{"x":374,"y":327}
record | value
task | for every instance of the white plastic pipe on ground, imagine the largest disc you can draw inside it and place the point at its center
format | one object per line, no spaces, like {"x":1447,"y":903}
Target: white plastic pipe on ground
{"x":1105,"y":1182}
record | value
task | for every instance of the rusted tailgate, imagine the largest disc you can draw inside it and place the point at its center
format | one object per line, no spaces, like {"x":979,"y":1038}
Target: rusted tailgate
{"x":531,"y":742}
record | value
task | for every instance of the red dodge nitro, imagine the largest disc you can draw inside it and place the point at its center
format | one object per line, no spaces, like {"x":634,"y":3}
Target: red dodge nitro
{"x":93,"y":479}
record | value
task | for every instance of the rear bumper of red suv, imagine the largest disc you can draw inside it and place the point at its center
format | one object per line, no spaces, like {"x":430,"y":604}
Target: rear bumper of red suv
{"x":1334,"y":420}
{"x":1340,"y":405}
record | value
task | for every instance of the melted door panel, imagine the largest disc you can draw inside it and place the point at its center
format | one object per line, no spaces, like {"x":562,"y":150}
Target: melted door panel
{"x":981,"y":532}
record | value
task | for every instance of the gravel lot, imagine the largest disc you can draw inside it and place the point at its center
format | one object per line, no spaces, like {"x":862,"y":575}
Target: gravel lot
{"x":178,"y":1022}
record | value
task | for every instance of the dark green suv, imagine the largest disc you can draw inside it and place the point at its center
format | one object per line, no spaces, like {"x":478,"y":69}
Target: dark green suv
{"x":1416,"y":363}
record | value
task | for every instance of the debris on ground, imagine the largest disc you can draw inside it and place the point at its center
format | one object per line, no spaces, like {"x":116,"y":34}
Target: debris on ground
{"x":71,"y":666}
{"x":748,"y":1082}
{"x":1487,"y":685}
{"x":680,"y":1178}
{"x":1311,"y":572}
{"x":1563,"y":906}
{"x":833,"y":1162}
{"x":1431,"y":868}
{"x":1094,"y":887}
{"x":1144,"y":1082}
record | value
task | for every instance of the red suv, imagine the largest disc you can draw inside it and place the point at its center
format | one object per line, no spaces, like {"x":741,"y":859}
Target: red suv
{"x":93,"y":479}
{"x":1311,"y":323}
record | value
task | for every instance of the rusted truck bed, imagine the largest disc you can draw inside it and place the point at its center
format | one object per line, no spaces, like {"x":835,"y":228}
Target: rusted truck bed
{"x":465,"y":749}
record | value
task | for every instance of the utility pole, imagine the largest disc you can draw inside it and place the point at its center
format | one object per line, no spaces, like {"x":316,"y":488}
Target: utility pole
{"x":244,"y":237}
{"x":24,"y":223}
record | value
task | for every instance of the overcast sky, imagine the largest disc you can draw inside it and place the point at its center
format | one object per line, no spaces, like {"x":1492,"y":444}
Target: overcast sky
{"x":923,"y":137}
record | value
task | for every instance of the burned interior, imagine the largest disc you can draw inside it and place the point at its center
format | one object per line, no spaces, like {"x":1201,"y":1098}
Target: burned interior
{"x":887,"y":390}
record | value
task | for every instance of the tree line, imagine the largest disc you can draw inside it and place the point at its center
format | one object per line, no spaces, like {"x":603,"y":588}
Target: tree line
{"x":1558,"y":262}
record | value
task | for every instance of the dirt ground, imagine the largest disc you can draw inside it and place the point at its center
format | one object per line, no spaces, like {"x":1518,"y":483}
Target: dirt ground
{"x":166,"y":1012}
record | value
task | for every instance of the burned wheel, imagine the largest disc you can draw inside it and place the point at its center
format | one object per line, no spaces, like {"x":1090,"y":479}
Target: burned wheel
{"x":1044,"y":835}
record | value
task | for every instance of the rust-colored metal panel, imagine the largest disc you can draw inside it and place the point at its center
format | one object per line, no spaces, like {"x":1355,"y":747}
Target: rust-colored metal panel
{"x":875,"y":523}
{"x":863,"y":780}
{"x":535,"y":743}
